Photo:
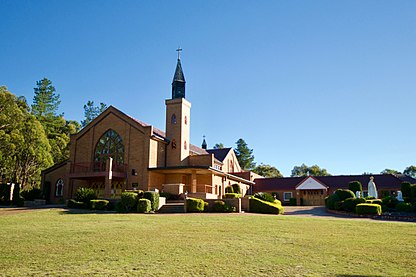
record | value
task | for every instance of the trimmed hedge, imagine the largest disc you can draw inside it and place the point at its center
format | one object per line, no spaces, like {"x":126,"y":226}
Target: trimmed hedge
{"x":355,"y":186}
{"x":331,"y":200}
{"x":138,"y":192}
{"x":265,"y":196}
{"x":232,"y":195}
{"x":390,"y":202}
{"x":366,"y":208}
{"x":344,"y":194}
{"x":72,"y":203}
{"x":229,"y":189}
{"x":404,"y":207}
{"x":236,"y":188}
{"x":195,"y":205}
{"x":265,"y":207}
{"x":222,"y":207}
{"x":99,"y":204}
{"x":144,"y":205}
{"x":85,"y":195}
{"x":154,"y":199}
{"x":128,"y":202}
{"x":349,"y":204}
{"x":374,"y":201}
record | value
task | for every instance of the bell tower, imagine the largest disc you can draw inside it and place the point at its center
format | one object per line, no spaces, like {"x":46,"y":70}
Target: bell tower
{"x":178,"y":119}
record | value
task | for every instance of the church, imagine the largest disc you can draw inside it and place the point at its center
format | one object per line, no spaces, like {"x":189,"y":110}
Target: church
{"x":116,"y":152}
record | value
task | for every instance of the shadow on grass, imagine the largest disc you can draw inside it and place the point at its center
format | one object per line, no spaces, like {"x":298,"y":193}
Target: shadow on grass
{"x":68,"y":211}
{"x":357,"y":275}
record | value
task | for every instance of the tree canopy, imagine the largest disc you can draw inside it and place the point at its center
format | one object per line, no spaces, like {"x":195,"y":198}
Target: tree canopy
{"x":219,"y":146}
{"x":304,"y":170}
{"x":410,"y":171}
{"x":244,"y":155}
{"x":91,"y":111}
{"x":267,"y":171}
{"x":390,"y":171}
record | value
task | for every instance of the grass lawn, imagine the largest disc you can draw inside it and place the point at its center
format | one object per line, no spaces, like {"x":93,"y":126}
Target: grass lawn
{"x":55,"y":242}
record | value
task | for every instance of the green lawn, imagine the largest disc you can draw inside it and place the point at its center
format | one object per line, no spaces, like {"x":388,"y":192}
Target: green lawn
{"x":55,"y":242}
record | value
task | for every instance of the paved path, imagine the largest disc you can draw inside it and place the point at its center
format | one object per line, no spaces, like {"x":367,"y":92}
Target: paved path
{"x":313,"y":211}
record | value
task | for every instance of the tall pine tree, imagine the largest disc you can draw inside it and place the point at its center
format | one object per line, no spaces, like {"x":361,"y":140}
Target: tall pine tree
{"x":244,"y":155}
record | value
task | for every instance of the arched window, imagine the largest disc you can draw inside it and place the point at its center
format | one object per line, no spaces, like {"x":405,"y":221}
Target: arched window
{"x":59,"y":188}
{"x":109,"y":145}
{"x":173,"y":119}
{"x":184,"y":145}
{"x":186,"y":120}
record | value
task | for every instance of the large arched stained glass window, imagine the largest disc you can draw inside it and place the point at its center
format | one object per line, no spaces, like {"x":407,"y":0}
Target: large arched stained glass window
{"x":110,"y":145}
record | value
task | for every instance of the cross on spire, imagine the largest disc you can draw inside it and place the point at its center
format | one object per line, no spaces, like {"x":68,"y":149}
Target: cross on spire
{"x":179,"y":52}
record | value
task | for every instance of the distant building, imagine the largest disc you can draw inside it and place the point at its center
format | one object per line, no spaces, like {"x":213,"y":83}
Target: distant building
{"x":116,"y":152}
{"x":312,"y":190}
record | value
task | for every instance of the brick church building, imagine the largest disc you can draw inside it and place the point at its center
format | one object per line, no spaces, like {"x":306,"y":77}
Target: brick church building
{"x":116,"y":152}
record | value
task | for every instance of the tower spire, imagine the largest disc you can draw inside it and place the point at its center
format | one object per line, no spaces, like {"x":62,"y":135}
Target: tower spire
{"x":204,"y":143}
{"x":178,"y":83}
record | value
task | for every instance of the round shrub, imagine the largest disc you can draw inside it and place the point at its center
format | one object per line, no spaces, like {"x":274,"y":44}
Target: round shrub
{"x":220,"y":207}
{"x":331,"y":200}
{"x":344,"y":194}
{"x":154,"y":199}
{"x":195,"y":205}
{"x":144,"y":205}
{"x":390,"y":201}
{"x":229,"y":189}
{"x":99,"y":204}
{"x":265,"y":207}
{"x":236,"y":188}
{"x":85,"y":195}
{"x":265,"y":196}
{"x":232,"y":195}
{"x":128,"y":201}
{"x":404,"y":207}
{"x":349,"y":204}
{"x":355,"y":186}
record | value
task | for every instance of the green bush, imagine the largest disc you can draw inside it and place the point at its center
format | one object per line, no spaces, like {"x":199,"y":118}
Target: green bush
{"x":154,"y":198}
{"x":277,"y":202}
{"x":292,"y":201}
{"x":405,"y":188}
{"x":229,"y":189}
{"x":128,"y":202}
{"x":390,"y":201}
{"x":232,"y":195}
{"x":404,"y":207}
{"x":236,"y":188}
{"x":413,"y":193}
{"x":195,"y":205}
{"x":4,"y":194}
{"x":73,"y":204}
{"x":32,"y":194}
{"x":85,"y":195}
{"x":265,"y":196}
{"x":366,"y":208}
{"x":331,"y":200}
{"x":264,"y":207}
{"x":374,"y":201}
{"x":344,"y":194}
{"x":355,"y":186}
{"x":222,"y":207}
{"x":144,"y":205}
{"x":339,"y":205}
{"x":99,"y":204}
{"x":349,"y":204}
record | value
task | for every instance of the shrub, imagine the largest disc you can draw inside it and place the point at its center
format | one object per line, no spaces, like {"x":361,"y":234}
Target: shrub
{"x":220,"y":207}
{"x":355,"y":186}
{"x":331,"y":200}
{"x":368,"y":209}
{"x":404,"y":207}
{"x":232,"y":195}
{"x":236,"y":188}
{"x":144,"y":205}
{"x":128,"y":202}
{"x":99,"y":204}
{"x":344,"y":194}
{"x":339,"y":205}
{"x":4,"y":194}
{"x":195,"y":205}
{"x":369,"y":198}
{"x":292,"y":201}
{"x":138,"y":192}
{"x":277,"y":202}
{"x":229,"y":189}
{"x":374,"y":201}
{"x":31,"y":194}
{"x":85,"y":195}
{"x":413,"y":193}
{"x":349,"y":204}
{"x":390,"y":201}
{"x":264,"y":207}
{"x":405,"y":188}
{"x":154,"y":199}
{"x":76,"y":204}
{"x":264,"y":196}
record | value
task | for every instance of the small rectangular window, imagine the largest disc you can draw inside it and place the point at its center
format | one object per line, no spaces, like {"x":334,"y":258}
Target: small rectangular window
{"x":287,"y":196}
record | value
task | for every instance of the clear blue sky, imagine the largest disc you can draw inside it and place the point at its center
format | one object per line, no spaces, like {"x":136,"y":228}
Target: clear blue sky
{"x":331,"y":83}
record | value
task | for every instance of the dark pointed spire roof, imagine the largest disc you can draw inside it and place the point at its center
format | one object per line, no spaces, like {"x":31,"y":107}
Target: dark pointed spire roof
{"x":204,"y":144}
{"x":179,"y":77}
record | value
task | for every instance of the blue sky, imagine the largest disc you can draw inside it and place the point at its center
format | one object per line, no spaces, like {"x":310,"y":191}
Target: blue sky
{"x":317,"y":82}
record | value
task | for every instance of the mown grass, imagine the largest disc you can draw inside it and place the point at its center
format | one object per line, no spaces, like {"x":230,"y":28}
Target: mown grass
{"x":55,"y":242}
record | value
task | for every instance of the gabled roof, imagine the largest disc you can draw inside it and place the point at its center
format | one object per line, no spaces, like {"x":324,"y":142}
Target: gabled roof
{"x":311,"y":183}
{"x":219,"y":154}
